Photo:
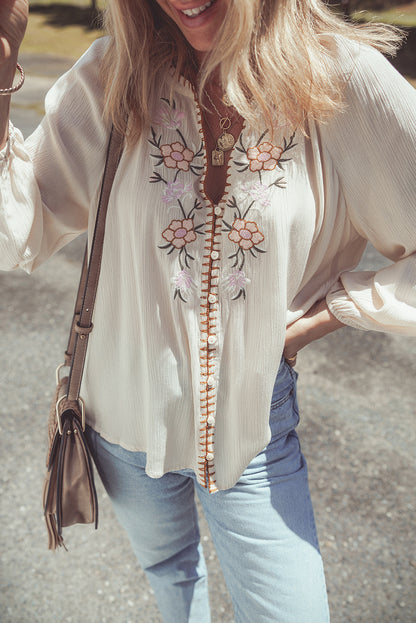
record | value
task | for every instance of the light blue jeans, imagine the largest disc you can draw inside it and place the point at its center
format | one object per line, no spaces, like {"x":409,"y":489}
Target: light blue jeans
{"x":263,"y":528}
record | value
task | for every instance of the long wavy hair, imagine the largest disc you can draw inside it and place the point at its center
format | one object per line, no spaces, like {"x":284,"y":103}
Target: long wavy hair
{"x":270,"y":56}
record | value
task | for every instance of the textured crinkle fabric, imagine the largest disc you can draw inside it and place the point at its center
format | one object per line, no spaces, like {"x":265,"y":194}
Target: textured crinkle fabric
{"x":194,"y":297}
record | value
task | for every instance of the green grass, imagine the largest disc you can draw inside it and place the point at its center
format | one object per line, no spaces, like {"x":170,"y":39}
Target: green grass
{"x":64,"y":28}
{"x":69,"y":41}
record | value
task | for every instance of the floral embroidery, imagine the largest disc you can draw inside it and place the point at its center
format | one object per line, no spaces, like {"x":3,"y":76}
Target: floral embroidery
{"x":176,"y":190}
{"x":183,"y":283}
{"x":247,"y":236}
{"x":179,"y":233}
{"x":174,"y":155}
{"x":245,"y":233}
{"x":262,"y":158}
{"x":257,"y":192}
{"x":177,"y":156}
{"x":236,"y":283}
{"x":242,"y":230}
{"x":168,"y":116}
{"x":266,"y":156}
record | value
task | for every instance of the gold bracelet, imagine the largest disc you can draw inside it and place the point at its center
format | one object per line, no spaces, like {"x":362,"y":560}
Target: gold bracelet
{"x":290,"y":359}
{"x":18,"y":86}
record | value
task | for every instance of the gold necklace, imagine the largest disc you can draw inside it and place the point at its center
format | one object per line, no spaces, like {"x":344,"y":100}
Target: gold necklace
{"x":225,"y":140}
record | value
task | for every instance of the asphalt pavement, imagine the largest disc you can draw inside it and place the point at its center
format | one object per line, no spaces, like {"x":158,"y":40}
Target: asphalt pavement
{"x":357,"y":401}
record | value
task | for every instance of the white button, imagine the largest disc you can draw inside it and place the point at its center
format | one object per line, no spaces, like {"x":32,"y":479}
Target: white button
{"x":210,"y":456}
{"x":212,"y":298}
{"x":212,"y":339}
{"x":211,"y":420}
{"x":218,"y":210}
{"x":215,"y":255}
{"x":210,"y":381}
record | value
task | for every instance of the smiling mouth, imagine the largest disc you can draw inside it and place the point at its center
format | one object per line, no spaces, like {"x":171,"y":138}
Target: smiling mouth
{"x":198,"y":10}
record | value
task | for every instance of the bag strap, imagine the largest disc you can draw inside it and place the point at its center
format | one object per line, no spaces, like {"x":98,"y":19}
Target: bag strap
{"x":77,"y":310}
{"x":84,"y":307}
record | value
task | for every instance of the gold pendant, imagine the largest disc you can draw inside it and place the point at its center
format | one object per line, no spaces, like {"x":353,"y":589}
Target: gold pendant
{"x":217,"y":158}
{"x":226,"y":141}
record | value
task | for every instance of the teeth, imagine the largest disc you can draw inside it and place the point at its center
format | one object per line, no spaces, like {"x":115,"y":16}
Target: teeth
{"x":197,"y":10}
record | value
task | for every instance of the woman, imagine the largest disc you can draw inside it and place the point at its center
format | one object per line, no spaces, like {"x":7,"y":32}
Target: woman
{"x":237,"y":214}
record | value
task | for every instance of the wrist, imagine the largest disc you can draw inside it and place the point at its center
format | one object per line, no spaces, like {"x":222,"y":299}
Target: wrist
{"x":8,"y":71}
{"x":320,"y":315}
{"x":315,"y":324}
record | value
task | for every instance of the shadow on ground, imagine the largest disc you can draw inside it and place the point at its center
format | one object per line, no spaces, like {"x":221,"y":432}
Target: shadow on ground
{"x":60,"y":15}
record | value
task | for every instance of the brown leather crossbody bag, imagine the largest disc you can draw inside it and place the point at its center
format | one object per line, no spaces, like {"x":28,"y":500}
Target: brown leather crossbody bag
{"x":69,"y":495}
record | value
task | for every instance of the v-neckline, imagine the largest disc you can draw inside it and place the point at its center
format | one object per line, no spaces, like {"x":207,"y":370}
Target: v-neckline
{"x":216,"y":198}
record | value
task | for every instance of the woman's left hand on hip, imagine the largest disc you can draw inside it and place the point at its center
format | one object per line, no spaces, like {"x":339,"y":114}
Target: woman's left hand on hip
{"x":316,"y":323}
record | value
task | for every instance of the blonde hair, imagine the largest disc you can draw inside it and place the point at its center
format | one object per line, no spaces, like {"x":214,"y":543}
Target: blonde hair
{"x":271,"y":55}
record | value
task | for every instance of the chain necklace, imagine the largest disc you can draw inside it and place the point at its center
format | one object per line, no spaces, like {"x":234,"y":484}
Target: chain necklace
{"x":225,"y":140}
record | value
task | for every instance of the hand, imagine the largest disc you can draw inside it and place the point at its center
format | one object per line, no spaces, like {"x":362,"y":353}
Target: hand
{"x":13,"y":22}
{"x":316,"y":323}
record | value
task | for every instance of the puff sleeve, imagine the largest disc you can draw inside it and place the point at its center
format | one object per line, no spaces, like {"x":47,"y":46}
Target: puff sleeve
{"x":48,"y":183}
{"x":372,"y":144}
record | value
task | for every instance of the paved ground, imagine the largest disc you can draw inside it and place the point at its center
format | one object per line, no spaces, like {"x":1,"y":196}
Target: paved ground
{"x":357,"y":396}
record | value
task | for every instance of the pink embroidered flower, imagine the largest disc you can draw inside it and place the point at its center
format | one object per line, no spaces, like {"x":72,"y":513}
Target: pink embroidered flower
{"x":236,"y":281}
{"x":183,"y":282}
{"x":179,"y":233}
{"x":265,"y":156}
{"x":177,"y":156}
{"x":245,"y":233}
{"x":176,"y":190}
{"x":257,"y":192}
{"x":171,"y":119}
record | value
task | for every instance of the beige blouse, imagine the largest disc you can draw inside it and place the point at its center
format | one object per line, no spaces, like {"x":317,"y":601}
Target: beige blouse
{"x":194,"y":298}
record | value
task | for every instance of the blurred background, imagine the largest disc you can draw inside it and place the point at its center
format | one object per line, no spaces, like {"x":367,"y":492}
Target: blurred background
{"x":356,"y":394}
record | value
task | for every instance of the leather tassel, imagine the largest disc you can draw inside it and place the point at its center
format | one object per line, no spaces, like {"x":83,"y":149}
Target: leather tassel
{"x":55,"y":540}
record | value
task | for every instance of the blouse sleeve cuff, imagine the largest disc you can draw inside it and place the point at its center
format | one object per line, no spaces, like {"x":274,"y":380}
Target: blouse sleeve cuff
{"x":344,"y":309}
{"x":14,"y":142}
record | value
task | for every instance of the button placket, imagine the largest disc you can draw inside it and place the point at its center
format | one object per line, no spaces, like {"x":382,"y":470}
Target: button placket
{"x":209,"y":348}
